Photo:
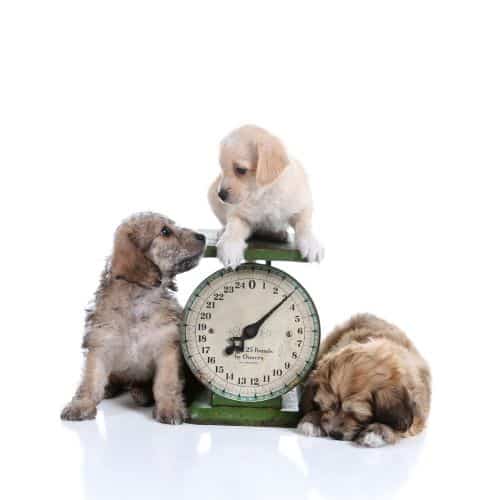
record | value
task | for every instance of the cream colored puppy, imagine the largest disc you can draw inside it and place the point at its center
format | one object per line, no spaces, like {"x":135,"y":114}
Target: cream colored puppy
{"x":261,"y":191}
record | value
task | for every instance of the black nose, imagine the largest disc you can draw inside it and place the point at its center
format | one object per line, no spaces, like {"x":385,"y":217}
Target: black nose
{"x":199,"y":236}
{"x":223,"y":194}
{"x":337,"y":435}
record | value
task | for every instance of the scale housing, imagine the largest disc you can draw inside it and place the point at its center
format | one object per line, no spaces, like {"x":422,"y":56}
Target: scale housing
{"x":209,"y":408}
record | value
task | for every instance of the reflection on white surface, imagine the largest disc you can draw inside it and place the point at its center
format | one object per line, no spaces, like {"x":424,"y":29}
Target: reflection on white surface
{"x":205,"y":443}
{"x":314,"y":494}
{"x":289,"y":447}
{"x":101,"y":425}
{"x":126,"y":454}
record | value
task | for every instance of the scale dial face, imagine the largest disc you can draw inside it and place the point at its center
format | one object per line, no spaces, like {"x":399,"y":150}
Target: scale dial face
{"x":250,"y":334}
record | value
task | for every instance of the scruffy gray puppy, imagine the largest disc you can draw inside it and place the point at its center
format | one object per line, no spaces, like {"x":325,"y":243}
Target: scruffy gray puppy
{"x":132,"y":332}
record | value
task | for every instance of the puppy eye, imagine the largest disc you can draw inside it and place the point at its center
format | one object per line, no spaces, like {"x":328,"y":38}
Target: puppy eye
{"x":165,"y":231}
{"x":240,"y":170}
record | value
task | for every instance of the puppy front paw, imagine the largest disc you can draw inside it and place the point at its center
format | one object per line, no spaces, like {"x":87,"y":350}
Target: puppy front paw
{"x":310,"y":248}
{"x":309,"y":425}
{"x":375,"y":436}
{"x":170,"y":413}
{"x":309,"y":429}
{"x":231,"y":252}
{"x":79,"y":409}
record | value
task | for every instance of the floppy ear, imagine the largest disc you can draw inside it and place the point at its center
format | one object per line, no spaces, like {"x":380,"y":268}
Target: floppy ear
{"x":322,"y":374}
{"x":392,"y":407}
{"x":129,"y":262}
{"x":307,"y":398}
{"x":271,"y":160}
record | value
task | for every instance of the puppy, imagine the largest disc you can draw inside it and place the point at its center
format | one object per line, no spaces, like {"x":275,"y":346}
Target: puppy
{"x":260,"y":192}
{"x":132,"y":332}
{"x":370,"y":385}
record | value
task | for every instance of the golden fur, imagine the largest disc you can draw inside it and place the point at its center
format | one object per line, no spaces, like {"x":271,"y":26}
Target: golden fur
{"x":132,"y":332}
{"x":261,"y":191}
{"x":370,"y":385}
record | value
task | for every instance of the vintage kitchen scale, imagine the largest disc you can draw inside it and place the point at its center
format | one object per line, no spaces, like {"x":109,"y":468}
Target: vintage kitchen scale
{"x":250,"y":336}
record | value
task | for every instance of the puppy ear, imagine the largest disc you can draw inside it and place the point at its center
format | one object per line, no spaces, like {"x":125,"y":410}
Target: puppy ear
{"x":360,"y":407}
{"x":392,"y":407}
{"x":307,"y":403}
{"x":322,"y":375}
{"x":129,"y":262}
{"x":271,"y":160}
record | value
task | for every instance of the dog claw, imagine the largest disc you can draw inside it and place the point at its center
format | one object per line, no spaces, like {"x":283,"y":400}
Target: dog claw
{"x":172,"y":416}
{"x":375,"y":436}
{"x":309,"y":429}
{"x":310,"y":248}
{"x":231,"y":253}
{"x":79,"y":410}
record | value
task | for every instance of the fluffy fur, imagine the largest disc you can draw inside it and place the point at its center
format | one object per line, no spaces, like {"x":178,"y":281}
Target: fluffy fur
{"x":370,"y":385}
{"x":260,"y":192}
{"x":132,"y":332}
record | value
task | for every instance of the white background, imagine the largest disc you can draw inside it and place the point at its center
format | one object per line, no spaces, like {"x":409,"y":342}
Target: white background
{"x":107,"y":108}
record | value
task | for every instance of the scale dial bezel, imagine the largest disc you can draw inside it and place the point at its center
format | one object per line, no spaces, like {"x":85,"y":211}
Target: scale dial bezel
{"x":315,"y":332}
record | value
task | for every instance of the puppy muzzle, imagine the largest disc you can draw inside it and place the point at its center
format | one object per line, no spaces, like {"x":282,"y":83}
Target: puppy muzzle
{"x":338,"y":436}
{"x":223,"y":194}
{"x":189,"y":262}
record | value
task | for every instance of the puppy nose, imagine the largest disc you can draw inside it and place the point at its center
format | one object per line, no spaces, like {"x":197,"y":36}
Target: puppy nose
{"x":223,"y":194}
{"x":199,"y":236}
{"x":337,"y":435}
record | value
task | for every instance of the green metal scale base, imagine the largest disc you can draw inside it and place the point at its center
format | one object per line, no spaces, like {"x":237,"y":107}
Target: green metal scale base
{"x":208,"y":408}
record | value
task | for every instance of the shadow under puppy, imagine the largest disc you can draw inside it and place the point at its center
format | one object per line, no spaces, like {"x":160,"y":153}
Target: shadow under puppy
{"x":370,"y":385}
{"x":132,"y":332}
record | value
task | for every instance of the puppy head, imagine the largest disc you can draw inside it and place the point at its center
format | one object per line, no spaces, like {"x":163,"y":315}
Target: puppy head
{"x":250,"y":158}
{"x":361,"y":384}
{"x":149,"y":247}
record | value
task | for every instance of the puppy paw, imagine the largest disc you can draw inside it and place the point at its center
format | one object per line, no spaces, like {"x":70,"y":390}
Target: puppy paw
{"x":309,"y":429}
{"x":79,"y":409}
{"x":231,"y":252}
{"x":375,"y":436}
{"x":170,"y":413}
{"x":310,"y":248}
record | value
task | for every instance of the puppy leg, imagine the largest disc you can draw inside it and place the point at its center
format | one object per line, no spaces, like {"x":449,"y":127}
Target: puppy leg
{"x":168,"y":387}
{"x":83,"y":406}
{"x":231,"y":245}
{"x":309,"y":247}
{"x":142,"y":394}
{"x":310,"y":425}
{"x":307,"y":404}
{"x":376,"y":435}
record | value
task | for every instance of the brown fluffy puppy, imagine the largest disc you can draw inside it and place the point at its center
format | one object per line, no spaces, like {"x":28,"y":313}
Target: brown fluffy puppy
{"x":370,"y":385}
{"x":132,"y":332}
